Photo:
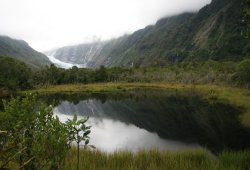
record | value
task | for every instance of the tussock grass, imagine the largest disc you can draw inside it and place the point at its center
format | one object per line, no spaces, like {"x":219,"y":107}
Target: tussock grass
{"x":235,"y":96}
{"x":158,"y":160}
{"x":153,"y":159}
{"x":235,"y":160}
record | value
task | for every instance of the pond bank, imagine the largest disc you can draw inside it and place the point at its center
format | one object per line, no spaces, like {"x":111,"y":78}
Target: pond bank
{"x":235,"y":96}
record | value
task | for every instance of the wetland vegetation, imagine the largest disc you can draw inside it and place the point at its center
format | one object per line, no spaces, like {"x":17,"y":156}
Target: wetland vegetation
{"x":177,"y":97}
{"x":210,"y":112}
{"x":207,"y":115}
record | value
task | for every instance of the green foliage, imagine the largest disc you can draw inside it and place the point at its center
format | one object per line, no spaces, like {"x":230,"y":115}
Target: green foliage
{"x":189,"y":72}
{"x":20,"y":77}
{"x":78,"y":132}
{"x":242,"y":74}
{"x":14,"y":74}
{"x":101,"y":74}
{"x":32,"y":137}
{"x":214,"y":32}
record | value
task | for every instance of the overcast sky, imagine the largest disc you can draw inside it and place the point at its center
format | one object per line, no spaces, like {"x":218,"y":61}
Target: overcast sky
{"x":47,"y":24}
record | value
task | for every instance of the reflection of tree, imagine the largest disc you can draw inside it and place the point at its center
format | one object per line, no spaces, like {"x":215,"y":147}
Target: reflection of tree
{"x":173,"y":115}
{"x":75,"y":98}
{"x":214,"y":125}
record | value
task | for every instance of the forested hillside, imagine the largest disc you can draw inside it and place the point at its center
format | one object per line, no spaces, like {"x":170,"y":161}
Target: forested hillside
{"x":215,"y":32}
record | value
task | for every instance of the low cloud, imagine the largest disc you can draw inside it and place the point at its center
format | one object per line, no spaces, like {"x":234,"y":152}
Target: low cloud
{"x":47,"y":24}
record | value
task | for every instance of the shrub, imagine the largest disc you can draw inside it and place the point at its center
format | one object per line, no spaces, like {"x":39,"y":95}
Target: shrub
{"x":242,"y":75}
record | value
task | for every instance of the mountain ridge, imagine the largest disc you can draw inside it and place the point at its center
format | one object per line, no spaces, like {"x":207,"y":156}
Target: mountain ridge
{"x":213,"y":33}
{"x":20,"y":50}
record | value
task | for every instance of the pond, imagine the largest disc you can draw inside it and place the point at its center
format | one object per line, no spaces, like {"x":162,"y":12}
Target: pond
{"x":145,"y":119}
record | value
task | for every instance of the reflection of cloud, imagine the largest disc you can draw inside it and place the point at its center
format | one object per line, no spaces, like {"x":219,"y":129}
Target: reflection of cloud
{"x":109,"y":135}
{"x":115,"y":135}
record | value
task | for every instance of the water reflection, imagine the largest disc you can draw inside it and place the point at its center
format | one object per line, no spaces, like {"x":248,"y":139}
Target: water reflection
{"x":110,"y":135}
{"x":156,"y":118}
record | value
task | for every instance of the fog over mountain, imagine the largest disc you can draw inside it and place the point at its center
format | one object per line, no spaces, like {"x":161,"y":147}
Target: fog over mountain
{"x":212,"y":33}
{"x":48,"y":24}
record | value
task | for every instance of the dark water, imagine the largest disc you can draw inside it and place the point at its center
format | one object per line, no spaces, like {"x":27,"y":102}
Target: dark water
{"x":166,"y":120}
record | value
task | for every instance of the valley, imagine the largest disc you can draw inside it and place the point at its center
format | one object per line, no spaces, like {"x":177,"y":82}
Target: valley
{"x":213,"y":33}
{"x":171,"y":95}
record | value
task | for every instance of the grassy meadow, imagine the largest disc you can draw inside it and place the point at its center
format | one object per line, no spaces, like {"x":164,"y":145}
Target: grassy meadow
{"x":199,"y":159}
{"x":158,"y":160}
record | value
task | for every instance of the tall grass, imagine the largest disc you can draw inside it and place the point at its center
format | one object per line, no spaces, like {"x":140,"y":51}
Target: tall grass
{"x":236,"y":96}
{"x":235,"y":160}
{"x":158,"y":160}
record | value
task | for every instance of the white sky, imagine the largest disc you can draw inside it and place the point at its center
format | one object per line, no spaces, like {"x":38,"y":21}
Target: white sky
{"x":47,"y":24}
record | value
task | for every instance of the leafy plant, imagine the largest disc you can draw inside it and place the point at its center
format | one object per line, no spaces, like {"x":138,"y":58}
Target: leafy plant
{"x":31,"y":137}
{"x":78,"y":132}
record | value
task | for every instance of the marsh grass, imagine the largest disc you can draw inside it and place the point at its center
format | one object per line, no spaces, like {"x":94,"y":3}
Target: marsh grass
{"x":236,"y":96}
{"x":199,"y":159}
{"x":158,"y":160}
{"x":153,"y":159}
{"x":234,"y":160}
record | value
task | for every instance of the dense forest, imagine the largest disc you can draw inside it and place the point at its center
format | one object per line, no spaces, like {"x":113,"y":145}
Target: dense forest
{"x":15,"y":75}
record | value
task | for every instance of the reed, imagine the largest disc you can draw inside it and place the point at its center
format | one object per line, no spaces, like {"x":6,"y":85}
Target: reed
{"x":158,"y":160}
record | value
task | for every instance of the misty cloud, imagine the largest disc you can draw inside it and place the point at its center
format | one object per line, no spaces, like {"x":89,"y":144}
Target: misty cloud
{"x":46,"y":24}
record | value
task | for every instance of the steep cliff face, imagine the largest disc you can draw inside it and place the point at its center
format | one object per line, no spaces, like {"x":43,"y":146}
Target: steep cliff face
{"x":20,"y":50}
{"x":219,"y":31}
{"x":212,"y":33}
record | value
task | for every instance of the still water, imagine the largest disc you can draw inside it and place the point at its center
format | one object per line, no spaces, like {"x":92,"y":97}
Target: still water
{"x":164,"y":120}
{"x":110,"y":134}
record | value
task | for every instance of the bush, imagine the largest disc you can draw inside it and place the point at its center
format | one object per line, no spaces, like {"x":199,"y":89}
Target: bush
{"x":14,"y":74}
{"x":31,"y":137}
{"x":242,"y":75}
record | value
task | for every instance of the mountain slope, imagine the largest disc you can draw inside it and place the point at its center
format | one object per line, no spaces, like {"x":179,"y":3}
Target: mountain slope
{"x":212,"y":33}
{"x":20,"y":50}
{"x":82,"y":54}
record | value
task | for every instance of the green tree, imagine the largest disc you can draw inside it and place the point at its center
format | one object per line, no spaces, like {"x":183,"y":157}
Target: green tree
{"x":101,"y":74}
{"x":242,"y":75}
{"x":31,"y":136}
{"x":14,"y":74}
{"x":53,"y":74}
